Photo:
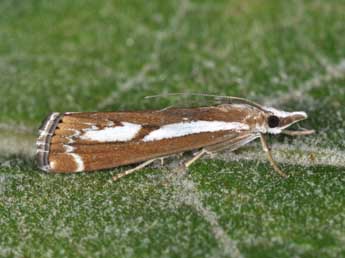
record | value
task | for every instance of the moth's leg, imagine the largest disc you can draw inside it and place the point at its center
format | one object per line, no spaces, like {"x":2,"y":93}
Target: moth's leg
{"x":298,"y":133}
{"x":131,"y":171}
{"x":207,"y":150}
{"x":269,"y":156}
{"x":196,"y":157}
{"x":162,"y":161}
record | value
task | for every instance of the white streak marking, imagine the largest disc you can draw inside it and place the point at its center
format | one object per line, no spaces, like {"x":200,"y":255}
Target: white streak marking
{"x":113,"y":134}
{"x":110,"y":123}
{"x":187,"y":128}
{"x":68,"y":148}
{"x":52,"y":165}
{"x":92,"y":128}
{"x":78,"y":161}
{"x":74,"y":135}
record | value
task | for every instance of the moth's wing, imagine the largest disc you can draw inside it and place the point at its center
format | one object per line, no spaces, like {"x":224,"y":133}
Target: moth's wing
{"x":201,"y":99}
{"x":87,"y":157}
{"x":233,"y":143}
{"x":77,"y":143}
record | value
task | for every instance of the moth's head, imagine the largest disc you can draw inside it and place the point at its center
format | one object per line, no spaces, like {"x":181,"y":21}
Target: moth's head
{"x":277,"y":121}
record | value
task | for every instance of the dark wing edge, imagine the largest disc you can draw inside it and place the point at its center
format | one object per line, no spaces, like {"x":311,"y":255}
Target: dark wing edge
{"x":46,"y":132}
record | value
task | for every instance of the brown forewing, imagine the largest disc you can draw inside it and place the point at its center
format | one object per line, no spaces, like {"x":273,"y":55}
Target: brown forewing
{"x":96,"y":155}
{"x":109,"y":155}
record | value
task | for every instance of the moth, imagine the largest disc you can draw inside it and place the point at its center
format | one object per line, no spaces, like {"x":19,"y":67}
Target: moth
{"x":88,"y":141}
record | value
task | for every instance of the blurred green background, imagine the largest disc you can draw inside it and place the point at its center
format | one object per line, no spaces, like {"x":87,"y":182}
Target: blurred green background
{"x":107,"y":55}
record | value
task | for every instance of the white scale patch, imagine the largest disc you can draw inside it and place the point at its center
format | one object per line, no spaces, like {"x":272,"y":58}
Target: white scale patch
{"x":78,"y":161}
{"x":123,"y":133}
{"x":75,"y":134}
{"x":187,"y":128}
{"x":68,"y":148}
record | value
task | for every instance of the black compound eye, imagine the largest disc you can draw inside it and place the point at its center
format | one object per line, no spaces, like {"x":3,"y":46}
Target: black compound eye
{"x":273,"y":121}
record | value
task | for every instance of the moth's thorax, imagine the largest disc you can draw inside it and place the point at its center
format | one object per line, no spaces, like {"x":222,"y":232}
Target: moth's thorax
{"x":257,"y":122}
{"x":253,"y":118}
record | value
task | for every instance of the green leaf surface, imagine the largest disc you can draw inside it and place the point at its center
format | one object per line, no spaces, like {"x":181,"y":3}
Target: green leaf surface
{"x":107,"y":55}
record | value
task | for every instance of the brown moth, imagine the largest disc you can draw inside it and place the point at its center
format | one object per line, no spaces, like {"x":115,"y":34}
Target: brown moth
{"x":88,"y":141}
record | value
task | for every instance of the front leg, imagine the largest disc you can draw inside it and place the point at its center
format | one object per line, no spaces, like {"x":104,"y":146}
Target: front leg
{"x":269,"y":156}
